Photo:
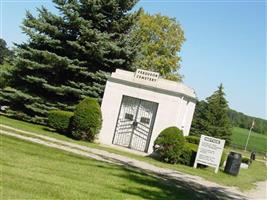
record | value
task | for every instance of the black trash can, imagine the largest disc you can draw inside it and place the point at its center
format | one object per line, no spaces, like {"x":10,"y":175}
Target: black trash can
{"x":233,"y":163}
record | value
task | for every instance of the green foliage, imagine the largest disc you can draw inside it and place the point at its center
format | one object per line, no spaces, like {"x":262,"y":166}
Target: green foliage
{"x":87,"y":119}
{"x":69,"y":55}
{"x":241,"y":120}
{"x":6,"y":57}
{"x":219,"y":124}
{"x":5,"y":54}
{"x":169,"y":144}
{"x":246,"y":160}
{"x":160,"y":39}
{"x":173,"y":147}
{"x":200,"y":122}
{"x":60,"y":120}
{"x":192,"y":139}
{"x":211,"y":117}
{"x":189,"y":154}
{"x":5,"y":71}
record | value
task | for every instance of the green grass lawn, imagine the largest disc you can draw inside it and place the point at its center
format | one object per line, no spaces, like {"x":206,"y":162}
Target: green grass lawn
{"x":244,"y":181}
{"x":257,"y":142}
{"x":32,"y":171}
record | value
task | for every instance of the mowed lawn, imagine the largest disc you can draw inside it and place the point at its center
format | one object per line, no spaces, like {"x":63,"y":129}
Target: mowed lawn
{"x":244,"y":181}
{"x":32,"y":171}
{"x":257,"y":142}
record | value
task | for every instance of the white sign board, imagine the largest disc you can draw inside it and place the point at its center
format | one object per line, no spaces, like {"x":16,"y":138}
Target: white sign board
{"x":146,"y":75}
{"x":209,"y":152}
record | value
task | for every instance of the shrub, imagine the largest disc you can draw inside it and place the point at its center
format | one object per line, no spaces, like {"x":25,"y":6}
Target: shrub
{"x":170,"y":144}
{"x":189,"y":154}
{"x":87,"y":119}
{"x":59,"y":120}
{"x":192,"y":139}
{"x":246,"y":160}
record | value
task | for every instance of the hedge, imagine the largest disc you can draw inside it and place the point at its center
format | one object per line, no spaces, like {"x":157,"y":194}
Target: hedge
{"x":192,"y":139}
{"x":87,"y":119}
{"x":246,"y":160}
{"x":190,"y":152}
{"x":170,"y":144}
{"x":59,"y":120}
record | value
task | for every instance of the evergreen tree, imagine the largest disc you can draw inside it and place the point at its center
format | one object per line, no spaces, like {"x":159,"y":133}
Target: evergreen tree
{"x":68,"y":56}
{"x":219,"y":123}
{"x":5,"y":54}
{"x":200,"y":122}
{"x":211,"y":117}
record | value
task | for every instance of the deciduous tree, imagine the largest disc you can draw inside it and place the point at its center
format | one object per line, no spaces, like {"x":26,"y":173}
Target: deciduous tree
{"x":160,"y":39}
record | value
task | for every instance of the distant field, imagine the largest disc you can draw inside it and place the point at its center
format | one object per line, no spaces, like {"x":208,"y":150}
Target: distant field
{"x":257,"y":142}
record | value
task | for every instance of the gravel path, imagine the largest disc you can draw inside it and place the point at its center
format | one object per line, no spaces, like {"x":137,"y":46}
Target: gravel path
{"x":260,"y":192}
{"x":202,"y":188}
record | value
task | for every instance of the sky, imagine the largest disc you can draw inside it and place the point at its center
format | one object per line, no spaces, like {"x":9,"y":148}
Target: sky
{"x":225,"y":43}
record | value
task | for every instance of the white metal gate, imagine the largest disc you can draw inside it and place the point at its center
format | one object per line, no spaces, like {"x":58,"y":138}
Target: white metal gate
{"x":135,"y":123}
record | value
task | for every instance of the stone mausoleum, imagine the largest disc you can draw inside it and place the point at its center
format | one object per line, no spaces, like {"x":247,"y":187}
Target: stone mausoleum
{"x":136,"y":107}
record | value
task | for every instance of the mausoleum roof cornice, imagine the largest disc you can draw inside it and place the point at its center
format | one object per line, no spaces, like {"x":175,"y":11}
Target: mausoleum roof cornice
{"x":159,"y":84}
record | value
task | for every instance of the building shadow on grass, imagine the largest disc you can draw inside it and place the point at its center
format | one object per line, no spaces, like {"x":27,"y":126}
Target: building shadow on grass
{"x":153,"y":187}
{"x":172,"y":186}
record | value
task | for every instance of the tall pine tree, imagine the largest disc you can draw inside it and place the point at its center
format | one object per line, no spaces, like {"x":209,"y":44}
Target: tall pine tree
{"x":68,"y":55}
{"x":200,"y":122}
{"x":219,"y":123}
{"x":211,"y":117}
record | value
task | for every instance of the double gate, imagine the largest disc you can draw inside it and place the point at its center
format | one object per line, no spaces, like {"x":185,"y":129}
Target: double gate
{"x":135,"y":123}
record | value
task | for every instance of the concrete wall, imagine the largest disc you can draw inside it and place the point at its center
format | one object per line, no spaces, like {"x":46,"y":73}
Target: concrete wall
{"x":173,"y":110}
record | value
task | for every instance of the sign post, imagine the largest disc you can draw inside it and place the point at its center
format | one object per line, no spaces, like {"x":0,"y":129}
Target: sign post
{"x":209,"y":152}
{"x":252,"y":126}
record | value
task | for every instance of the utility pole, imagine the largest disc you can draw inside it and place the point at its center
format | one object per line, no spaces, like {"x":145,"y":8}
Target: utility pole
{"x":252,"y":125}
